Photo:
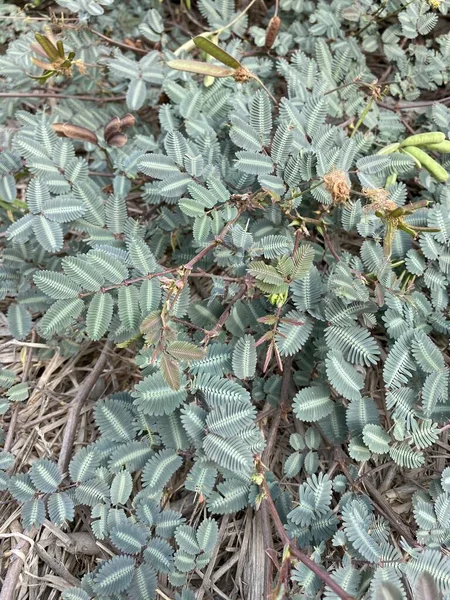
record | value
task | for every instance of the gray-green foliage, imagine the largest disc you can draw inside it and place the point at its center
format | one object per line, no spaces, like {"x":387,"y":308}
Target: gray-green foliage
{"x":240,"y":195}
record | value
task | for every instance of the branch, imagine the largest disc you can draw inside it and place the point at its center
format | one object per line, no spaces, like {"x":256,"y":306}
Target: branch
{"x":63,"y":96}
{"x":223,"y":317}
{"x":266,"y":458}
{"x":217,"y":240}
{"x":283,"y":405}
{"x":118,"y":44}
{"x":75,"y":409}
{"x":15,"y":566}
{"x":298,"y":554}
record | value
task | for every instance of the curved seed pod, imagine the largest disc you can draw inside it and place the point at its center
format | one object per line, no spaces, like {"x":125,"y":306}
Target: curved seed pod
{"x":60,"y":47}
{"x":428,"y":163}
{"x":216,"y":52}
{"x":111,"y":128}
{"x":417,"y":162}
{"x":127,"y":121}
{"x":390,"y":180}
{"x":423,"y":139}
{"x":118,"y":140}
{"x":442,"y":147}
{"x":389,"y":149}
{"x":50,"y":50}
{"x":75,"y":132}
{"x":272,"y":31}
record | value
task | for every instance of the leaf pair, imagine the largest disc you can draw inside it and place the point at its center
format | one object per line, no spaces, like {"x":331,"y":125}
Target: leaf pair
{"x":203,"y":68}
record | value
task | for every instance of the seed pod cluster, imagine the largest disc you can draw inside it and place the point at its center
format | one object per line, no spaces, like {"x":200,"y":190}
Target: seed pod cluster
{"x":113,"y":131}
{"x":415,"y":146}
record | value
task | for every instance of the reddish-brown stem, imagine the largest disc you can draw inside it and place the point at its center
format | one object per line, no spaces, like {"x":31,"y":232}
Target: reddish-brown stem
{"x":128,"y":282}
{"x":329,"y":244}
{"x":297,"y":553}
{"x":217,"y":240}
{"x":224,"y":316}
{"x":119,"y":44}
{"x":63,"y":96}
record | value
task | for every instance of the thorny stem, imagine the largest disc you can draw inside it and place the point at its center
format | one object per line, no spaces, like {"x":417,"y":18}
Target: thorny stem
{"x":187,"y":267}
{"x":329,"y":243}
{"x":297,"y":553}
{"x":413,"y":105}
{"x":224,"y":316}
{"x":118,"y":44}
{"x":127,"y":282}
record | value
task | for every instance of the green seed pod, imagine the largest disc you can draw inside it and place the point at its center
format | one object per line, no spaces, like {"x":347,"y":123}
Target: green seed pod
{"x":428,"y":163}
{"x":216,"y":52}
{"x":50,"y":50}
{"x":417,"y":162}
{"x":443,"y":147}
{"x":423,"y":139}
{"x":390,"y":180}
{"x":60,"y":47}
{"x":389,"y":149}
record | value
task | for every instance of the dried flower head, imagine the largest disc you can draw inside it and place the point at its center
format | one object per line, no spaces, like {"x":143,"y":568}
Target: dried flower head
{"x":379,"y":200}
{"x":241,"y":75}
{"x":337,"y":184}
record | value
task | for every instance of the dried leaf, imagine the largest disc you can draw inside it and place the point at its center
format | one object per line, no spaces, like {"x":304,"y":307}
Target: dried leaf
{"x":171,"y":372}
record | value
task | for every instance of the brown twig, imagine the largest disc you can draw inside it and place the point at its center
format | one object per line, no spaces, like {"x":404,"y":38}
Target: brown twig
{"x":329,"y":244}
{"x":266,"y":459}
{"x":297,"y":553}
{"x":119,"y":44}
{"x":62,"y":96}
{"x":377,"y":499}
{"x":223,"y":317}
{"x":283,"y":405}
{"x":56,"y":566}
{"x":412,"y":105}
{"x":75,"y":408}
{"x":15,"y":566}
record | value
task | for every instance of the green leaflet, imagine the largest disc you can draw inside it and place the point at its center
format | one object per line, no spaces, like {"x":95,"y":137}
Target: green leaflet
{"x":60,"y":508}
{"x":99,"y":315}
{"x":312,"y":403}
{"x":244,"y":357}
{"x":343,"y":377}
{"x":114,"y":575}
{"x":45,"y":475}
